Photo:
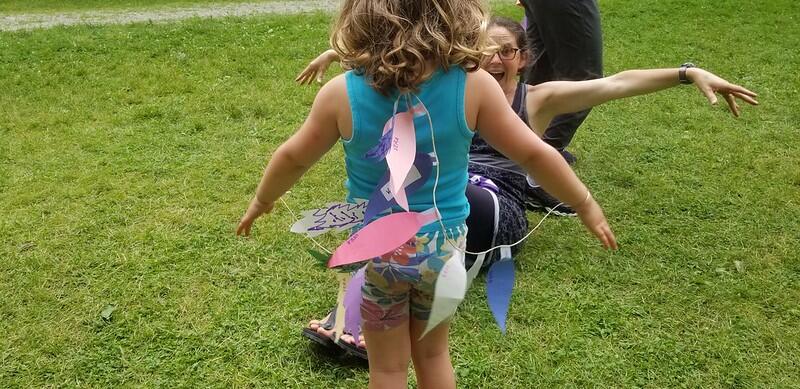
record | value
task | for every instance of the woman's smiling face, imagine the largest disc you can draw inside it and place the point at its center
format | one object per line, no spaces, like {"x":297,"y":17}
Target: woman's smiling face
{"x":505,"y":70}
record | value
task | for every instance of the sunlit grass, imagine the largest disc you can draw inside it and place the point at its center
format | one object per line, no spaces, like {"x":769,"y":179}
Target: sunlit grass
{"x":129,"y":152}
{"x":48,"y":6}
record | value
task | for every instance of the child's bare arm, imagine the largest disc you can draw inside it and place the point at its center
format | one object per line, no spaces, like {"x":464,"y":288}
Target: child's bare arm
{"x":317,"y":67}
{"x":295,"y":156}
{"x":504,"y":130}
{"x":549,"y":99}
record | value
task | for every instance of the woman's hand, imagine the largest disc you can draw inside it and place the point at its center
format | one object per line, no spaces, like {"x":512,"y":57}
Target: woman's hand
{"x":256,"y":209}
{"x":592,"y":217}
{"x":710,"y":84}
{"x":317,"y":68}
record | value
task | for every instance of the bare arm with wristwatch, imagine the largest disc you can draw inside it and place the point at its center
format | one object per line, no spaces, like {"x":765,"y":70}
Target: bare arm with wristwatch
{"x":549,"y":99}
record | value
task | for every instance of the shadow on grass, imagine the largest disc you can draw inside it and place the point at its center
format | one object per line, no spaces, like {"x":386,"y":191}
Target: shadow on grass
{"x":322,"y":357}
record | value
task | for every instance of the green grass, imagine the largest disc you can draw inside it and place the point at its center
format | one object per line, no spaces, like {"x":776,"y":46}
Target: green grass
{"x":19,"y":6}
{"x":128,"y":153}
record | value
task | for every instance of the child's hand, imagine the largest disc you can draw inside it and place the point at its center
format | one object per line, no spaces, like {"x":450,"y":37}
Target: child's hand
{"x":709,"y":84}
{"x":592,"y":217}
{"x":256,"y":209}
{"x":317,"y":68}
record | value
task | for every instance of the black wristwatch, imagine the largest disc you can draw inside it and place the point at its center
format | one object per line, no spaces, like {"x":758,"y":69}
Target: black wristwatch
{"x":682,"y":73}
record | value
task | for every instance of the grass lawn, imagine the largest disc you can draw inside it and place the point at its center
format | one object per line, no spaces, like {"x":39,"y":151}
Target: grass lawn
{"x":128,"y":153}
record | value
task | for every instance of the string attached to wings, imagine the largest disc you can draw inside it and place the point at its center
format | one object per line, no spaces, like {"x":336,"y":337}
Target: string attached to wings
{"x":408,"y":170}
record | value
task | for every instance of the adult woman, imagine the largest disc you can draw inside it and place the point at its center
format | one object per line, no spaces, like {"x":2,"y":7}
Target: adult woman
{"x":537,"y":106}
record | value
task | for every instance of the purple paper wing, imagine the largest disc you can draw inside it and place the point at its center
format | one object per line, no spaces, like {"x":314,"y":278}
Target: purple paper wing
{"x":352,"y":303}
{"x":378,"y":153}
{"x":378,"y":202}
{"x":382,"y":198}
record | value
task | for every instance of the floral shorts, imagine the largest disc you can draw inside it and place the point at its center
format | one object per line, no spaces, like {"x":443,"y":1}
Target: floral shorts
{"x":402,"y":282}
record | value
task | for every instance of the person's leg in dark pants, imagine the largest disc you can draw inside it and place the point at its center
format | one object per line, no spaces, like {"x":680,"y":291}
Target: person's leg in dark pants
{"x":481,"y":222}
{"x":567,"y":44}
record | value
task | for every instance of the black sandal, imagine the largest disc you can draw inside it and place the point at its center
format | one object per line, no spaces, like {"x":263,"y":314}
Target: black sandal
{"x":353,"y":349}
{"x":315,"y":336}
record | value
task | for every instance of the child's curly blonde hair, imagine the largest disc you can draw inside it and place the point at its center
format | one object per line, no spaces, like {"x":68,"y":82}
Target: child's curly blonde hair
{"x":399,"y":43}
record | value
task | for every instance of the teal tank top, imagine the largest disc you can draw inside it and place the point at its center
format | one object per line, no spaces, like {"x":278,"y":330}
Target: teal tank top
{"x":443,"y":96}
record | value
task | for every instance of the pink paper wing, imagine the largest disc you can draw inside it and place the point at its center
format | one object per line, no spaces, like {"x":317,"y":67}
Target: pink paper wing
{"x":401,"y":155}
{"x":377,"y":238}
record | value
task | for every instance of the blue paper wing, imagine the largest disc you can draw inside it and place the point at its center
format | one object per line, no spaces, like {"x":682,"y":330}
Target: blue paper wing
{"x":499,"y":284}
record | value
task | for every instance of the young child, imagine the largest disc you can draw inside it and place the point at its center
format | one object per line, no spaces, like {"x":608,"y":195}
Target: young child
{"x":404,"y":53}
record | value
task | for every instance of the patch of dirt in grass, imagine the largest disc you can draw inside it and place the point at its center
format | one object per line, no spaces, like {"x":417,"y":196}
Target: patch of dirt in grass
{"x":46,"y":20}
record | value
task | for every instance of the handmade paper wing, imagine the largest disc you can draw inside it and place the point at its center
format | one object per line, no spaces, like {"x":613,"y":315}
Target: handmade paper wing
{"x":499,"y":285}
{"x":401,"y":154}
{"x":378,"y":153}
{"x":451,"y":286}
{"x":382,"y":198}
{"x":380,"y":237}
{"x":338,"y":324}
{"x":352,"y":304}
{"x":334,"y":216}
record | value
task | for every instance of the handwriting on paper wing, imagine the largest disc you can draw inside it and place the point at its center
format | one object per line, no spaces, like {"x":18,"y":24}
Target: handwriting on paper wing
{"x":334,"y":216}
{"x":395,"y":143}
{"x":337,"y":216}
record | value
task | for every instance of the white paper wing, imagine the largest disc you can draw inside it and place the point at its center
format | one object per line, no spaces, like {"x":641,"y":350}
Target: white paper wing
{"x":451,"y":286}
{"x":334,"y":216}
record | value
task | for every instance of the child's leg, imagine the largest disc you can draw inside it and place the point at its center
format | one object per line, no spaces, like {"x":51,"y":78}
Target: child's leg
{"x":431,"y":356}
{"x":388,"y":352}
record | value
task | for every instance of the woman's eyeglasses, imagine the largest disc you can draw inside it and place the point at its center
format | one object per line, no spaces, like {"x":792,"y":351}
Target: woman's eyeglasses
{"x":506,"y":53}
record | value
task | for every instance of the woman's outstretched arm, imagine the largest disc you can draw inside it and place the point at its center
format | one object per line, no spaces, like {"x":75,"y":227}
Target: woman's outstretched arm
{"x":549,"y":99}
